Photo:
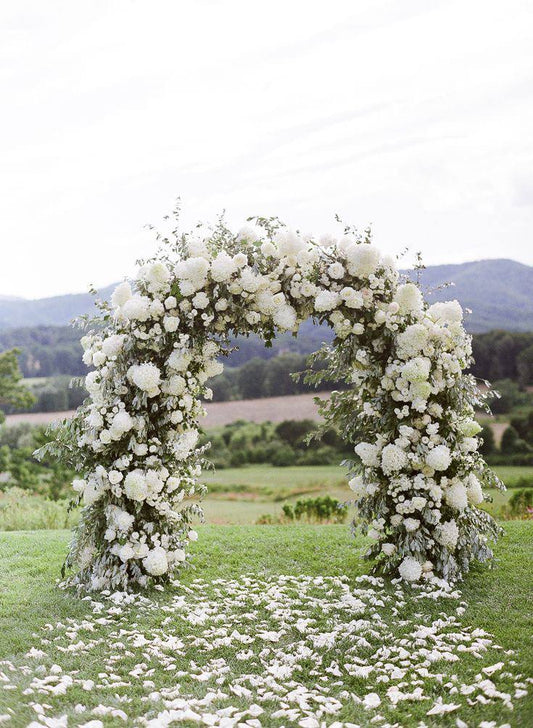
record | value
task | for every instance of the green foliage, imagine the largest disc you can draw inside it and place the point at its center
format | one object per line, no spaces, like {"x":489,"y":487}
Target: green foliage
{"x":22,"y":511}
{"x":291,"y":442}
{"x":324,"y":509}
{"x":284,"y":457}
{"x":512,"y":443}
{"x":259,"y":377}
{"x":489,"y":443}
{"x":521,"y":503}
{"x":19,"y":467}
{"x":54,"y":394}
{"x":503,"y":355}
{"x":294,"y":432}
{"x":46,"y":351}
{"x":13,"y":393}
{"x":510,"y":396}
{"x":524,"y":426}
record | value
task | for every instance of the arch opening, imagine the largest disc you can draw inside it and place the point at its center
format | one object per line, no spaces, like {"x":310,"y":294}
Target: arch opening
{"x":409,"y":411}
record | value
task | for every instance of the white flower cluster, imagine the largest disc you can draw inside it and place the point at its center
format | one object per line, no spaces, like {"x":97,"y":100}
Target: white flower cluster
{"x":136,"y":437}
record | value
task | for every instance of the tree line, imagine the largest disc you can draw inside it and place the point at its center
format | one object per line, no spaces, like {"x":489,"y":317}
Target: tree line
{"x":53,"y":355}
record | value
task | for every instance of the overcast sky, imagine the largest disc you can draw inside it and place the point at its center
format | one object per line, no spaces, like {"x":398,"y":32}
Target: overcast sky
{"x":415,"y":116}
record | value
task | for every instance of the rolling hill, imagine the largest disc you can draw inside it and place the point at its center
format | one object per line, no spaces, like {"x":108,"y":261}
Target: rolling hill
{"x":499,"y":293}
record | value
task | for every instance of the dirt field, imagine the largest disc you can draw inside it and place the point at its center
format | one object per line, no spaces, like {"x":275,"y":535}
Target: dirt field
{"x":275,"y":409}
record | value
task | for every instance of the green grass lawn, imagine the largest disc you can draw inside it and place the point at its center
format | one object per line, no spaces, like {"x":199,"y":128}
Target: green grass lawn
{"x":499,"y":601}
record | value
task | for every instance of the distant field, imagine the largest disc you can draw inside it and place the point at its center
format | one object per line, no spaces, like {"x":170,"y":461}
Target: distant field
{"x":275,"y":409}
{"x":236,"y":495}
{"x":241,"y":495}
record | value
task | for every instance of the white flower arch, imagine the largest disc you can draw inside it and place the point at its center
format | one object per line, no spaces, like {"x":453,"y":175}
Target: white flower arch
{"x":409,"y":413}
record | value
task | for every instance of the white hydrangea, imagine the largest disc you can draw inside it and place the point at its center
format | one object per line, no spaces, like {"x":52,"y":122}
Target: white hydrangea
{"x":171,"y":324}
{"x":327,"y":301}
{"x":456,"y":496}
{"x":213,"y":368}
{"x":135,"y":486}
{"x":357,"y":485}
{"x":285,"y":318}
{"x":410,"y":569}
{"x":417,"y":369}
{"x":447,"y":534}
{"x":123,"y":520}
{"x":126,"y":552}
{"x":200,"y":300}
{"x":92,"y":492}
{"x":469,"y":427}
{"x":121,"y":294}
{"x":411,"y":524}
{"x":137,"y":308}
{"x":156,"y":562}
{"x":146,"y":377}
{"x":121,"y":423}
{"x":193,"y":271}
{"x":156,"y":275}
{"x":362,"y":259}
{"x":289,"y":243}
{"x":409,"y":299}
{"x":446,"y":312}
{"x":186,"y":442}
{"x":439,"y":458}
{"x":336,"y":271}
{"x":79,"y":485}
{"x":222,"y":267}
{"x":352,"y":298}
{"x":368,"y":453}
{"x":269,"y":250}
{"x":474,"y":490}
{"x":175,"y":385}
{"x":113,"y":344}
{"x":179,"y":360}
{"x":393,"y":458}
{"x":93,"y":382}
{"x":412,"y":341}
{"x":179,"y":555}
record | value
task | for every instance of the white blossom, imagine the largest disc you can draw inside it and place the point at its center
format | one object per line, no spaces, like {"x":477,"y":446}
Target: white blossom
{"x":410,"y":569}
{"x":439,"y":458}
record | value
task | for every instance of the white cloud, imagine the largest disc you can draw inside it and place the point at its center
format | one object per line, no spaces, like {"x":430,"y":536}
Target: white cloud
{"x":415,"y":116}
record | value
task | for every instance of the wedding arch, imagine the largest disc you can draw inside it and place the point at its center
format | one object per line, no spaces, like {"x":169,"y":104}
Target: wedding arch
{"x":417,"y":473}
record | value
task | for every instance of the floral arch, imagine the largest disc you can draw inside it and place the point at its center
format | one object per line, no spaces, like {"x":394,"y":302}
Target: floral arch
{"x":417,"y":475}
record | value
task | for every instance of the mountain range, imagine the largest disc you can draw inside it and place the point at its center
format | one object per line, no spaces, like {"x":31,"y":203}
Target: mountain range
{"x":498,"y":292}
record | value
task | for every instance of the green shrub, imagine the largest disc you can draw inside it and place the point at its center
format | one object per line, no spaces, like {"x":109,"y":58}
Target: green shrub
{"x":322,"y":456}
{"x":283,"y":457}
{"x":489,"y":443}
{"x":293,"y":432}
{"x":22,"y":511}
{"x":323,"y":509}
{"x":510,"y":397}
{"x":512,"y":443}
{"x":520,"y":502}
